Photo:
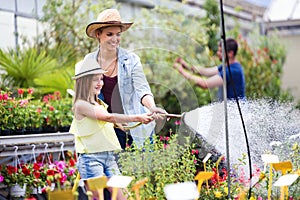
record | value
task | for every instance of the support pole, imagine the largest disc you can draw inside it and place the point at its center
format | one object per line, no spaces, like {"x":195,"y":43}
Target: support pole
{"x":224,"y":66}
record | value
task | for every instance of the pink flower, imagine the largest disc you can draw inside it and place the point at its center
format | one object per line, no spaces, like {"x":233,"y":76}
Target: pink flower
{"x":5,"y":96}
{"x":46,"y":99}
{"x":61,"y":165}
{"x":63,"y":178}
{"x":72,"y":171}
{"x":195,"y":151}
{"x":39,"y":110}
{"x":167,"y":138}
{"x":177,"y":122}
{"x":1,"y":178}
{"x":23,"y":102}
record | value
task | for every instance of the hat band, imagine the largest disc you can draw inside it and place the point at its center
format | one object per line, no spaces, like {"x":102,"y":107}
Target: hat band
{"x":87,"y":71}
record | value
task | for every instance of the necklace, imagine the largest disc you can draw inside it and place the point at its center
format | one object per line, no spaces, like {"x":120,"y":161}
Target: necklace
{"x":109,"y":68}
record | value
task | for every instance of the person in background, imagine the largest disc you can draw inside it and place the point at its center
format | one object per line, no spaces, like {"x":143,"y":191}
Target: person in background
{"x":215,"y":74}
{"x":126,"y":89}
{"x":93,"y":126}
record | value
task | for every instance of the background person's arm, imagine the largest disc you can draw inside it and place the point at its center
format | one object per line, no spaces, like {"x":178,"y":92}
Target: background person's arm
{"x":203,"y":71}
{"x":211,"y":82}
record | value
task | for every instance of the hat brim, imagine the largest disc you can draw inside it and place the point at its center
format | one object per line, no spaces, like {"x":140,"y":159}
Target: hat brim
{"x":92,"y":27}
{"x":93,"y":71}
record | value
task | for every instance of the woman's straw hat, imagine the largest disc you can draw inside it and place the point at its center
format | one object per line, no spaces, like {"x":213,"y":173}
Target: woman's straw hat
{"x":108,"y":17}
{"x":86,"y":67}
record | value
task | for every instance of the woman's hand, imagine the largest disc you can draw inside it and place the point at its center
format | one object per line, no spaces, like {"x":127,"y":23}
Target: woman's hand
{"x":157,"y":113}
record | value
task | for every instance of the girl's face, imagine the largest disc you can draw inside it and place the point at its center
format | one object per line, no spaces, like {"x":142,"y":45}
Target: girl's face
{"x":110,"y":37}
{"x":97,"y":83}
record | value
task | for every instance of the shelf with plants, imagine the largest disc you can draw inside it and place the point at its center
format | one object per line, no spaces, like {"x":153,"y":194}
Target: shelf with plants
{"x":22,"y":114}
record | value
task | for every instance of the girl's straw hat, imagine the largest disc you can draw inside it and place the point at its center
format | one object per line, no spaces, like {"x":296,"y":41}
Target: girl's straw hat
{"x":86,"y":67}
{"x":108,"y":17}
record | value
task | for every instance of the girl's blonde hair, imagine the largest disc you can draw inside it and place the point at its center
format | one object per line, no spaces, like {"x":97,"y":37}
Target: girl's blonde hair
{"x":83,"y":89}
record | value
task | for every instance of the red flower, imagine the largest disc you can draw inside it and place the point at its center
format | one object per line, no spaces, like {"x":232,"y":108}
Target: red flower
{"x":57,"y":95}
{"x":11,"y":169}
{"x":25,"y":170}
{"x":20,"y":91}
{"x":50,"y":172}
{"x":72,"y":162}
{"x":51,"y":108}
{"x":36,"y":166}
{"x":30,"y":91}
{"x":36,"y":174}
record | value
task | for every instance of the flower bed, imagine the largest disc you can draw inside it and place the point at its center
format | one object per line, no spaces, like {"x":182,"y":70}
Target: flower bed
{"x":43,"y":175}
{"x":22,"y":114}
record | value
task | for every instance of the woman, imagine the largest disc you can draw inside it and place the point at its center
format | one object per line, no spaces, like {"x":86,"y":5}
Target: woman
{"x":92,"y":126}
{"x":126,"y":89}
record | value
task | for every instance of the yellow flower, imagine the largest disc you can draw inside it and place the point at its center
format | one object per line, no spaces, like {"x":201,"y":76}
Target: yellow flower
{"x":252,"y":198}
{"x":262,"y":175}
{"x":218,"y":194}
{"x":295,"y":146}
{"x":226,"y":190}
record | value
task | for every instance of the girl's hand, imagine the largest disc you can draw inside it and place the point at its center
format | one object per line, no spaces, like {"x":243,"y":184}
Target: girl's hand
{"x":145,"y":118}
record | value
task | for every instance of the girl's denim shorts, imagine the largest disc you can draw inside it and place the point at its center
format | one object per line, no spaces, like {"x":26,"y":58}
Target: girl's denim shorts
{"x":91,"y":165}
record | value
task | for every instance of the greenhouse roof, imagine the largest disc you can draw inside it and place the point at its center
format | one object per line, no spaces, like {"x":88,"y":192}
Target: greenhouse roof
{"x":283,"y":10}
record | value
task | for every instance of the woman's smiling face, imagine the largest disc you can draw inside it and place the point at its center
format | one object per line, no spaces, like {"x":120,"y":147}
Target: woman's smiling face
{"x":110,"y":37}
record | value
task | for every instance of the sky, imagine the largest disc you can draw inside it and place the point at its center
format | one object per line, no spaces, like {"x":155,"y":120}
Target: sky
{"x":263,"y":3}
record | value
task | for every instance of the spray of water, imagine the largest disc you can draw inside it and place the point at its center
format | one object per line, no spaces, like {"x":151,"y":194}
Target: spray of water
{"x":265,"y":121}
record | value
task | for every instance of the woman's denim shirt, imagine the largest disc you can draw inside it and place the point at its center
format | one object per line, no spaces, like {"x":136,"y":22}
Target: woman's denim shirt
{"x":133,"y":86}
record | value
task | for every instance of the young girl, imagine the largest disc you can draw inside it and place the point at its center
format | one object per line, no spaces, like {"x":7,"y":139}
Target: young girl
{"x":93,"y":126}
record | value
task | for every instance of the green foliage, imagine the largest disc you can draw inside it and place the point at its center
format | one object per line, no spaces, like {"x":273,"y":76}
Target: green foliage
{"x":158,"y":36}
{"x":68,"y":20}
{"x":21,"y":113}
{"x":212,"y":22}
{"x":23,"y":67}
{"x":263,"y":62}
{"x":162,"y":161}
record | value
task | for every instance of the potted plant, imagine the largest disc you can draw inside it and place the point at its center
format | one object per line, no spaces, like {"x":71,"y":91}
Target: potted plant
{"x":6,"y":108}
{"x":35,"y":119}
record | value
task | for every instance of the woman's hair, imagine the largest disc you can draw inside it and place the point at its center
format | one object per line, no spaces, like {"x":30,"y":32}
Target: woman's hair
{"x":83,"y":88}
{"x":100,"y":29}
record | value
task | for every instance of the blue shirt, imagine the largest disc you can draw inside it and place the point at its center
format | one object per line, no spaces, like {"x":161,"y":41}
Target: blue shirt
{"x":238,"y":79}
